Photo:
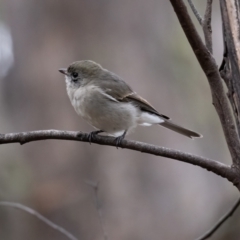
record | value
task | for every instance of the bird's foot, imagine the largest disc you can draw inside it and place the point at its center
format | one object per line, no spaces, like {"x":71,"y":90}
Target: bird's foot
{"x":119,"y":139}
{"x":92,"y":134}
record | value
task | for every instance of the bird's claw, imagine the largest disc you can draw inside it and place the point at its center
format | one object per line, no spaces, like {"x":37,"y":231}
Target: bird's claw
{"x":119,"y":139}
{"x":92,"y":134}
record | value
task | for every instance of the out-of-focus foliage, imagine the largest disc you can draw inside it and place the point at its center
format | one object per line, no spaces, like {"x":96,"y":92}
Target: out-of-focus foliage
{"x":142,"y":196}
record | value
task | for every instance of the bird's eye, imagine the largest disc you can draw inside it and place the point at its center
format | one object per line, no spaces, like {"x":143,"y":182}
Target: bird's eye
{"x":74,"y":74}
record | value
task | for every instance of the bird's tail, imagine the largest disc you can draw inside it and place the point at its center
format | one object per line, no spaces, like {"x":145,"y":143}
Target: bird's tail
{"x":181,"y":130}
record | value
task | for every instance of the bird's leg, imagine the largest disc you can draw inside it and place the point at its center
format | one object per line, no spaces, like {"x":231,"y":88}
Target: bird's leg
{"x":92,"y":134}
{"x":119,"y":139}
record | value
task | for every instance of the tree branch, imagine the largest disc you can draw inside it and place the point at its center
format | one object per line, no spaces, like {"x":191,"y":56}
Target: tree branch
{"x":223,"y":219}
{"x":195,"y":12}
{"x":210,"y":69}
{"x":206,"y":25}
{"x":205,"y":22}
{"x":218,"y":168}
{"x":230,"y":67}
{"x":40,"y":217}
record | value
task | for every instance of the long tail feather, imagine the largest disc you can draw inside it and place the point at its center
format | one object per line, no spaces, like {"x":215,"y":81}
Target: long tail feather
{"x":181,"y":130}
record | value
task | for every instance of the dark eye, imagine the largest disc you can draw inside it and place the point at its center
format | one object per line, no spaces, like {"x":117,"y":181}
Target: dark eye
{"x":74,"y":74}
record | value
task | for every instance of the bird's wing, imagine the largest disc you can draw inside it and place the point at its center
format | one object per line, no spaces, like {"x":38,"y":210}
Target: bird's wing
{"x":114,"y":86}
{"x":143,"y":104}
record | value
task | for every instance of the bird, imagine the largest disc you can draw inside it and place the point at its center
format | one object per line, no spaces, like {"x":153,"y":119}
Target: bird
{"x":109,"y":104}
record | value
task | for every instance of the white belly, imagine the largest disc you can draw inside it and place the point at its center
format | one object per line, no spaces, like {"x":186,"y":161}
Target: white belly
{"x":102,"y":111}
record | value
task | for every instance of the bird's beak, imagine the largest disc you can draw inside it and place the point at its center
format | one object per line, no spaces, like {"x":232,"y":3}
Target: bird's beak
{"x":63,"y":71}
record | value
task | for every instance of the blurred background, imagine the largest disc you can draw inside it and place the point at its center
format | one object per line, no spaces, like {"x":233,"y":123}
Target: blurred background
{"x":141,"y":196}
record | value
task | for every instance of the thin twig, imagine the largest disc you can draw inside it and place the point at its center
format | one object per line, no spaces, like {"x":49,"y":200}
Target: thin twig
{"x":211,"y":231}
{"x":205,"y":22}
{"x":206,"y":25}
{"x":218,"y":168}
{"x":195,"y":11}
{"x":95,"y":186}
{"x":40,"y":217}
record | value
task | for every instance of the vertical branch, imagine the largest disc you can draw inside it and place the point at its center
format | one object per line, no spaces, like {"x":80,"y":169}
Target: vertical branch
{"x":209,"y":66}
{"x":230,"y":68}
{"x":206,"y":25}
{"x":205,"y":22}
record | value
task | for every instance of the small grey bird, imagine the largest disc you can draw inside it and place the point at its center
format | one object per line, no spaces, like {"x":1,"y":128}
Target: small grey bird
{"x":106,"y":102}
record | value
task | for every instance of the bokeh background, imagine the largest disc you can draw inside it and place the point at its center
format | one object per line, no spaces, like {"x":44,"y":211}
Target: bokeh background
{"x":141,"y":196}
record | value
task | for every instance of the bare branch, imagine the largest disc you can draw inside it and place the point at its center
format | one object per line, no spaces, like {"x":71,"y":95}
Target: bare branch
{"x":230,"y":67}
{"x":218,"y":168}
{"x":223,"y":219}
{"x":195,"y":11}
{"x":210,"y":69}
{"x":40,"y":217}
{"x":205,"y":22}
{"x":95,"y":186}
{"x":206,"y":25}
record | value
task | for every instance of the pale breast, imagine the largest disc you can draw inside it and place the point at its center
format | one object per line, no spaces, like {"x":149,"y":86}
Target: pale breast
{"x":81,"y":98}
{"x":102,"y":110}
